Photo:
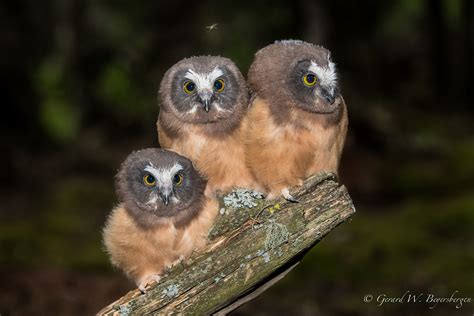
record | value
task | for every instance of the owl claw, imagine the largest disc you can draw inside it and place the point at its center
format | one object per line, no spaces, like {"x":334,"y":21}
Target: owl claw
{"x":286,"y":194}
{"x":144,"y":282}
{"x":180,"y":260}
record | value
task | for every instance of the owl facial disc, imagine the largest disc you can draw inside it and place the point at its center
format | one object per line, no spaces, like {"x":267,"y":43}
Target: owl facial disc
{"x":208,"y":91}
{"x":205,"y":83}
{"x":163,"y":185}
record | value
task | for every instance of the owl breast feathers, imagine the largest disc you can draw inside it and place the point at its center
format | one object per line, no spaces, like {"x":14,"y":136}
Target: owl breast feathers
{"x":163,"y":215}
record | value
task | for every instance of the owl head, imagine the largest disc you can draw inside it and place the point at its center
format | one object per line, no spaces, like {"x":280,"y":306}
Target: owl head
{"x":156,"y":183}
{"x":295,"y":74}
{"x":204,"y":89}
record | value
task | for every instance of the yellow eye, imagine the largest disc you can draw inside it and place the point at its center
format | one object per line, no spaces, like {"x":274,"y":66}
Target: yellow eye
{"x":149,"y":180}
{"x":310,"y":80}
{"x":178,"y":179}
{"x":189,"y":87}
{"x":219,"y":85}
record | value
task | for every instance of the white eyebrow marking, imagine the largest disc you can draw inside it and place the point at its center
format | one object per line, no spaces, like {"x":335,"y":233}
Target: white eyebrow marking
{"x":175,"y":168}
{"x":204,"y":81}
{"x":326,"y":75}
{"x":163,"y":176}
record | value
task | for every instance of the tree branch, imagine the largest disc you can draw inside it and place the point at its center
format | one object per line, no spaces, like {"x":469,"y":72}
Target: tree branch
{"x":250,"y":248}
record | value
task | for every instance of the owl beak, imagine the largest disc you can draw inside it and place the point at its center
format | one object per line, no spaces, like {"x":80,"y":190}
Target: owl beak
{"x":205,"y":98}
{"x":207,"y":104}
{"x":165,"y":198}
{"x":328,"y":96}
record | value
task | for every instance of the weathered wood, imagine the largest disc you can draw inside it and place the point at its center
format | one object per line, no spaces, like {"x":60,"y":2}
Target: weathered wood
{"x":248,"y":245}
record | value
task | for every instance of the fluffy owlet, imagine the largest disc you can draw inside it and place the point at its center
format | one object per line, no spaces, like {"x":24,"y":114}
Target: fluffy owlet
{"x":203,"y":102}
{"x":162,"y":217}
{"x":297,"y":120}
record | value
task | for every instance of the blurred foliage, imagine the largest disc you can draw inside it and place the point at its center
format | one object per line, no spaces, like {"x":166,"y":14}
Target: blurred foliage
{"x":57,"y":116}
{"x":120,"y":95}
{"x":79,"y":93}
{"x":60,"y":232}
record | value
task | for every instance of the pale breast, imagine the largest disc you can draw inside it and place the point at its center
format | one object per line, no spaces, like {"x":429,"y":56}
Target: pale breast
{"x":190,"y":143}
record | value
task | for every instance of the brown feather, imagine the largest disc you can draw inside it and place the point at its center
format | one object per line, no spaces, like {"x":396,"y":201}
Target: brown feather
{"x":284,"y":155}
{"x":221,"y":159}
{"x":141,"y":252}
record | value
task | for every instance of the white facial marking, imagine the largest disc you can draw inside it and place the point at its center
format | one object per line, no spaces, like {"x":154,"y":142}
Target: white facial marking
{"x":326,"y":75}
{"x":174,"y":199}
{"x":193,"y":109}
{"x":219,"y":109}
{"x":163,"y":176}
{"x":152,"y":200}
{"x":204,"y":81}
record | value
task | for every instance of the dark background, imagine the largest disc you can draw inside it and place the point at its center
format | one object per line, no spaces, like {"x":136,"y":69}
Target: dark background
{"x":78,"y":93}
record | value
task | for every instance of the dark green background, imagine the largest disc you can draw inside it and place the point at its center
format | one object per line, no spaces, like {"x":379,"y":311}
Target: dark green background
{"x":78,"y":93}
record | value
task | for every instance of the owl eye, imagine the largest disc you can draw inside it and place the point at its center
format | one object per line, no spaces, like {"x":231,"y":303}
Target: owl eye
{"x":178,"y":179}
{"x":219,"y":85}
{"x":310,"y":80}
{"x":149,"y":180}
{"x":189,"y":87}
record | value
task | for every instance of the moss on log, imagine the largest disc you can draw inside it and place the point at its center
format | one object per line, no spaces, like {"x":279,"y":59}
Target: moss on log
{"x":253,"y":241}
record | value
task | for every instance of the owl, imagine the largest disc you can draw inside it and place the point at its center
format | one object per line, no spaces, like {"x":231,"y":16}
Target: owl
{"x":163,"y":215}
{"x":203,"y":102}
{"x":297,"y":121}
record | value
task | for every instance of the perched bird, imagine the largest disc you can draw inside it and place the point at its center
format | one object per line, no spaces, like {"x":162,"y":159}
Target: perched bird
{"x":203,"y":101}
{"x":297,"y":121}
{"x":162,"y":217}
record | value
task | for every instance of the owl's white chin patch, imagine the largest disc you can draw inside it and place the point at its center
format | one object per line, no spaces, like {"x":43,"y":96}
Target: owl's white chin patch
{"x":193,"y":109}
{"x":151,"y":204}
{"x":214,"y":105}
{"x":218,"y":108}
{"x":147,"y":206}
{"x":174,"y":200}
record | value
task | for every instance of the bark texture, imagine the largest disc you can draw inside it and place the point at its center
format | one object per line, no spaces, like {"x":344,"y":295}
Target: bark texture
{"x":253,"y":242}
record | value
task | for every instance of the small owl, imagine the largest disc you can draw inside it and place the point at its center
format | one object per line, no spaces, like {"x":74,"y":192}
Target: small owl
{"x":203,"y":103}
{"x":162,"y":217}
{"x":297,"y":121}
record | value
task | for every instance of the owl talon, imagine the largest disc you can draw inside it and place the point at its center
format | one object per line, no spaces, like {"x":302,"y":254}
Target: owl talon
{"x":147,"y":281}
{"x":292,"y":199}
{"x":286,"y":194}
{"x":180,"y":260}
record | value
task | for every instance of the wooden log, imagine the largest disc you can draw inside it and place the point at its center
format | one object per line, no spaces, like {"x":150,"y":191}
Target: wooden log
{"x":253,"y":243}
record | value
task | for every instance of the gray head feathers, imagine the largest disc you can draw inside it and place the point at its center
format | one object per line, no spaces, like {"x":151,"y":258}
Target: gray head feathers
{"x":293,"y":74}
{"x":154,"y":184}
{"x":207,"y":90}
